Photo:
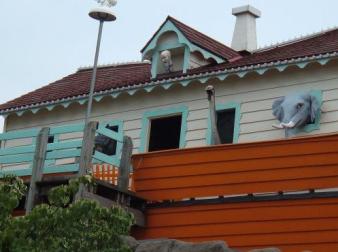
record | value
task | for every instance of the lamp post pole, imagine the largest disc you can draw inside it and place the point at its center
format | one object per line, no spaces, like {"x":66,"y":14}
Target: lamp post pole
{"x":101,"y":14}
{"x":93,"y":80}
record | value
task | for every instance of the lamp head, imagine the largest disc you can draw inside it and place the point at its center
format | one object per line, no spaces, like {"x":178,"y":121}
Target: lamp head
{"x":103,"y":13}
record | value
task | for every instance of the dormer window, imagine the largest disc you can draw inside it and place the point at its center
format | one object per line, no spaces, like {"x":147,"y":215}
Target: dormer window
{"x":173,"y":48}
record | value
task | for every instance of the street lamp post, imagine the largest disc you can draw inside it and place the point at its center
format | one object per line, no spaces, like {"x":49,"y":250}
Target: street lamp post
{"x":102,"y":14}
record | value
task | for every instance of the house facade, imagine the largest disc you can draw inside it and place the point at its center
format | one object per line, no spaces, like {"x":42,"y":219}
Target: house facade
{"x":136,"y":96}
{"x":161,"y":103}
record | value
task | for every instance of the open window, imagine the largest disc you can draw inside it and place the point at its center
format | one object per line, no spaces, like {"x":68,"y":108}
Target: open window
{"x":226,"y":125}
{"x":165,"y":133}
{"x":228,"y":117}
{"x":164,"y":129}
{"x":105,"y":144}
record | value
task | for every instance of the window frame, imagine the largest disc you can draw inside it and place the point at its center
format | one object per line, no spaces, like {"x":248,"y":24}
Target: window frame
{"x":160,"y":113}
{"x":225,"y":106}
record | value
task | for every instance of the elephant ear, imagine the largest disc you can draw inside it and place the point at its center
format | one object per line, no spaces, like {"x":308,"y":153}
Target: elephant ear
{"x":315,"y":107}
{"x":277,"y":109}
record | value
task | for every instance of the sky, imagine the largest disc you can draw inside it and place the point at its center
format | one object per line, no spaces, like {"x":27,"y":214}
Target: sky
{"x":43,"y":40}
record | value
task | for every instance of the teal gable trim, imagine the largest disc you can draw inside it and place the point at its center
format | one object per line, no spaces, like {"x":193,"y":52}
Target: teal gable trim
{"x":148,"y":115}
{"x":154,"y":49}
{"x":316,"y":125}
{"x":220,"y":107}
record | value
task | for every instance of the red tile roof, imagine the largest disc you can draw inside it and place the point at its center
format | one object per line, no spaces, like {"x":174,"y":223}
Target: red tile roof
{"x":112,"y":77}
{"x":78,"y":84}
{"x":201,"y":40}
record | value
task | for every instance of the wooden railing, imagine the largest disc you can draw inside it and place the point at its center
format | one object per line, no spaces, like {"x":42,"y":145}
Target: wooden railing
{"x":261,"y":167}
{"x":64,"y":146}
{"x":110,"y":174}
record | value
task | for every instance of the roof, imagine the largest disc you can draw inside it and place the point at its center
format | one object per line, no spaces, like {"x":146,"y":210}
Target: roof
{"x":110,"y":78}
{"x":200,"y":40}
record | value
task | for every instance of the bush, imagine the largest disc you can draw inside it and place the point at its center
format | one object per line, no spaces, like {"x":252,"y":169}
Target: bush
{"x":62,"y":225}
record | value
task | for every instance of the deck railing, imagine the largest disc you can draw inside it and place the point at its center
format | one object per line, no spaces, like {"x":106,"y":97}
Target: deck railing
{"x":63,"y":149}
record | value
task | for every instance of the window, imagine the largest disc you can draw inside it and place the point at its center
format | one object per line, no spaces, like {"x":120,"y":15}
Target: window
{"x":108,"y":150}
{"x":226,"y":125}
{"x":165,"y":133}
{"x":164,"y":129}
{"x":105,"y":144}
{"x":228,"y":121}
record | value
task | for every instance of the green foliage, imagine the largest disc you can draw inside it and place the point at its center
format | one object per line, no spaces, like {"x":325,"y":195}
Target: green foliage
{"x":61,"y":226}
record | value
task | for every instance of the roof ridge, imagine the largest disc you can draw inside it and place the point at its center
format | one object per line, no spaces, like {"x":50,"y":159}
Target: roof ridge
{"x":201,"y":33}
{"x":296,"y":39}
{"x":126,"y":63}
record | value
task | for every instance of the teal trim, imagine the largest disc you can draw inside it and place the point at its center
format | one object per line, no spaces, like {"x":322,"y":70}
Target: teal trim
{"x":17,"y":150}
{"x":316,"y":125}
{"x":18,"y":172}
{"x":185,"y":81}
{"x":18,"y":158}
{"x":154,"y":48}
{"x":19,"y":134}
{"x":186,"y":61}
{"x":111,"y":134}
{"x":59,"y":154}
{"x":67,"y":129}
{"x":154,"y":64}
{"x":114,"y":160}
{"x":148,"y":115}
{"x":47,"y":170}
{"x":220,"y":107}
{"x":61,"y":168}
{"x":64,"y":145}
{"x":118,"y":136}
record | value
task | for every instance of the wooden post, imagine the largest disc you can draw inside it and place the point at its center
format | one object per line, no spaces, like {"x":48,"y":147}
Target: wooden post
{"x":87,"y":148}
{"x":125,"y":164}
{"x":37,"y":167}
{"x":86,"y":153}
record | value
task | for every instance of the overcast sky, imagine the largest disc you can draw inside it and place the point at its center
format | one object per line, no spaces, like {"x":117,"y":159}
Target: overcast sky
{"x":44,"y":40}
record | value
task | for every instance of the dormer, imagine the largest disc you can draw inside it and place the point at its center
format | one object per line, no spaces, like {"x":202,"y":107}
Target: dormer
{"x":176,"y":47}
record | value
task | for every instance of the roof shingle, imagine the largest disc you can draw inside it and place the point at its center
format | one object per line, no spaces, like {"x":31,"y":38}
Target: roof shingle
{"x":112,"y":77}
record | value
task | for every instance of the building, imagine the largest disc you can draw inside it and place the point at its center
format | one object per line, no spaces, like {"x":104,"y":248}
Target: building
{"x":163,"y":106}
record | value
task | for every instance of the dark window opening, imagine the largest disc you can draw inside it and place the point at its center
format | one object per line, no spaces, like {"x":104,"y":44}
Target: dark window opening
{"x":105,"y":144}
{"x":50,"y":139}
{"x":226,"y":125}
{"x":165,"y":133}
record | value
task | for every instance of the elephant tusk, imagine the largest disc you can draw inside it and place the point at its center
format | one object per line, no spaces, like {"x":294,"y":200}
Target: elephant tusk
{"x":278,"y":126}
{"x":290,"y":124}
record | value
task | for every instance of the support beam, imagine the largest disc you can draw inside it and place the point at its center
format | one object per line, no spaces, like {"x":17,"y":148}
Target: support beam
{"x":138,"y":215}
{"x":37,"y":168}
{"x":125,"y":164}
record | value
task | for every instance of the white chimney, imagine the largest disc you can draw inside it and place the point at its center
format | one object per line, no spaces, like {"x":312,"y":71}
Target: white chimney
{"x":244,"y":37}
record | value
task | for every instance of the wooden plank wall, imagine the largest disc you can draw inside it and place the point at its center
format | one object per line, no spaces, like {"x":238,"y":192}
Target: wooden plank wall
{"x":291,"y":225}
{"x":285,"y":166}
{"x":273,"y":166}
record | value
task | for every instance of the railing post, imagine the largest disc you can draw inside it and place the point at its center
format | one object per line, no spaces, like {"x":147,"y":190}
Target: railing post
{"x":87,"y":148}
{"x":125,"y":164}
{"x":86,"y":153}
{"x":37,"y":167}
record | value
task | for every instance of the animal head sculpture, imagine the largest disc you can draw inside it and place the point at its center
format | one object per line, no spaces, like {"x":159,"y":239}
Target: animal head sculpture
{"x":295,"y":111}
{"x":166,"y":60}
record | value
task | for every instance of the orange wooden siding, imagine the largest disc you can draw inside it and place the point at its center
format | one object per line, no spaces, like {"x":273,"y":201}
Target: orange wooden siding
{"x":284,"y":165}
{"x":291,"y":225}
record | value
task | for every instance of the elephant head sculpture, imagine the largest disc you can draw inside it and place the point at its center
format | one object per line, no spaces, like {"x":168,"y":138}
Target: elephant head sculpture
{"x":295,"y":111}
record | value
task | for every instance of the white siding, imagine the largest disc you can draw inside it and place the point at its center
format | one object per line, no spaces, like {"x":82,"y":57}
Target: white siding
{"x":255,"y":94}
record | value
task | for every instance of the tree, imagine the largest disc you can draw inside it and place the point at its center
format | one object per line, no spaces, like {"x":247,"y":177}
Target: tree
{"x":61,"y":225}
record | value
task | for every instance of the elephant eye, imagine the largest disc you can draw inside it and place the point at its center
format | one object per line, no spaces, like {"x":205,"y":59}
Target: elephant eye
{"x":300,"y":105}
